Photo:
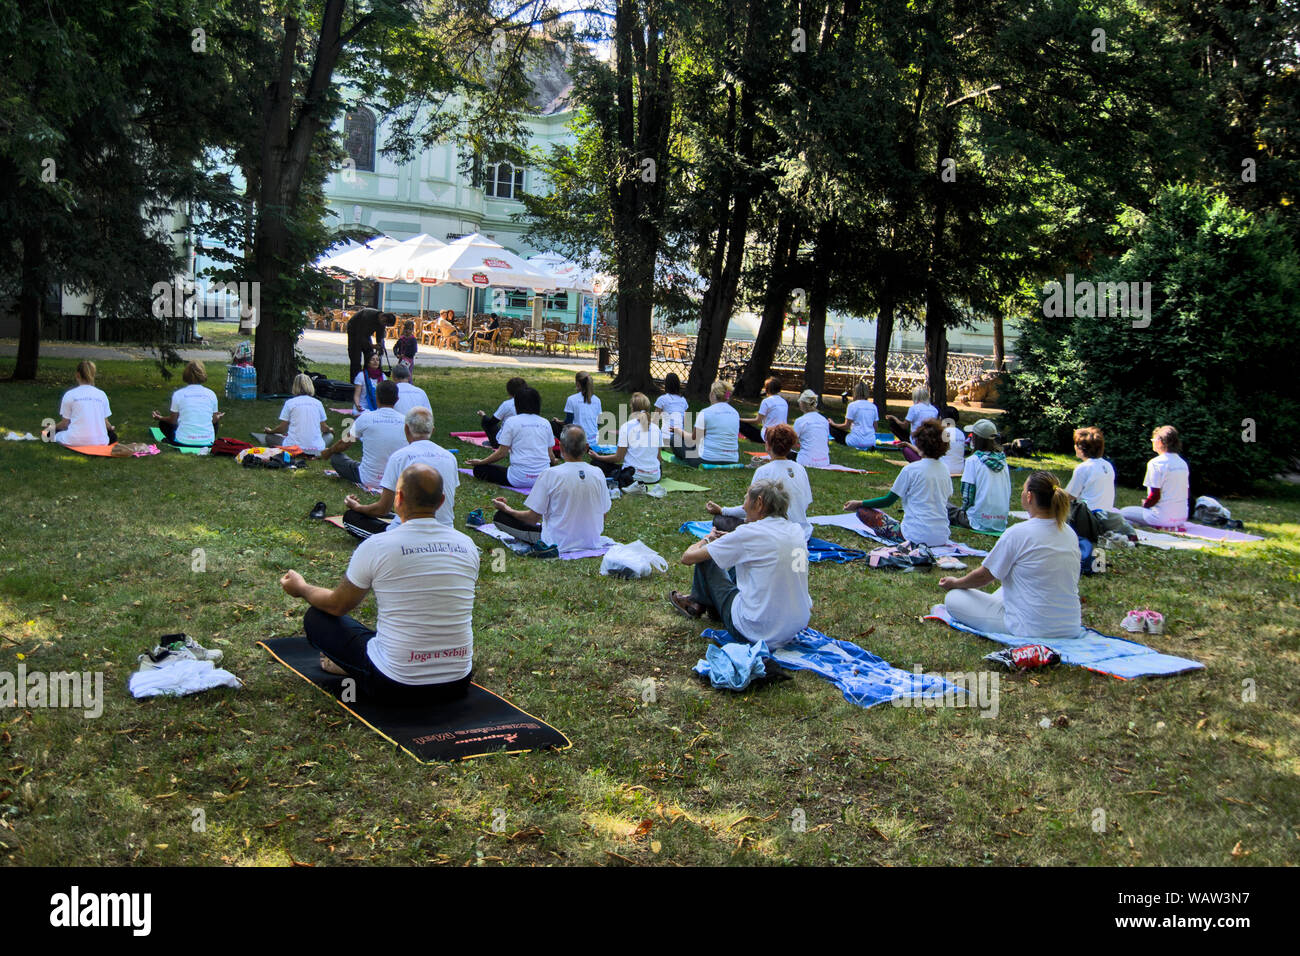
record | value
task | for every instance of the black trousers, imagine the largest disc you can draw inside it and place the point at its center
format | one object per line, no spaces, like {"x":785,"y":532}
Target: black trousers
{"x":497,"y":474}
{"x":752,"y":432}
{"x":169,"y":432}
{"x":343,"y":640}
{"x":358,"y":357}
{"x":625,"y":475}
{"x":529,"y":533}
{"x":840,"y":434}
{"x":491,"y":425}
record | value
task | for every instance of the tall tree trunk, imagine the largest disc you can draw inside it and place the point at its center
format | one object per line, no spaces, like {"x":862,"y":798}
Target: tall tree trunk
{"x":785,"y":250}
{"x":936,"y":347}
{"x":999,"y":344}
{"x":937,"y":310}
{"x":814,"y":373}
{"x":884,"y":335}
{"x":31,"y":295}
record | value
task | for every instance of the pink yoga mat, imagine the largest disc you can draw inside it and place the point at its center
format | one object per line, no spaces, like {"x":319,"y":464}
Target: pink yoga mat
{"x":472,"y":438}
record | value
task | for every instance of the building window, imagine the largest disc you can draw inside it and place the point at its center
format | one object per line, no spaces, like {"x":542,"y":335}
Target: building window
{"x":359,"y":137}
{"x":558,"y":301}
{"x":503,"y":181}
{"x":516,"y":299}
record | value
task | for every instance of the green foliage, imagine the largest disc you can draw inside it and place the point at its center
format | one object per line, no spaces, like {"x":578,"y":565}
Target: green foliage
{"x":1218,"y":353}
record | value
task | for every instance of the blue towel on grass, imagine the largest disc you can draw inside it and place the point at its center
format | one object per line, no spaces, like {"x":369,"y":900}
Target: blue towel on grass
{"x":818,"y":549}
{"x":1093,"y":650}
{"x":733,"y":666}
{"x":862,"y":677}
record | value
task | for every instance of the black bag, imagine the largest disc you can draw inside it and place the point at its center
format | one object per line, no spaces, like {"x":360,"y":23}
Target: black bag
{"x":1084,"y":522}
{"x":331,"y":388}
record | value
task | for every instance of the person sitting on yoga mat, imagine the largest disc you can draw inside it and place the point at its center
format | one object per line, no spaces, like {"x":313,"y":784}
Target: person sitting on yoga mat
{"x":923,"y":487}
{"x":713,"y":440}
{"x":526,"y":439}
{"x":409,"y":395}
{"x":955,"y":457}
{"x":1093,"y":484}
{"x":1037,"y":562}
{"x":639,"y":441}
{"x":302,"y":419}
{"x":858,"y":430}
{"x":492,"y":423}
{"x":84,"y":412}
{"x":985,"y":483}
{"x":421,"y":449}
{"x":1166,"y":481}
{"x":582,"y":408}
{"x":773,"y":410}
{"x":765,"y":595}
{"x":380,"y":432}
{"x":364,"y":384}
{"x":790,"y":474}
{"x":813,"y":431}
{"x":194,"y":416}
{"x":566,"y":508}
{"x":423,"y":574}
{"x":905,"y":429}
{"x":672,"y":406}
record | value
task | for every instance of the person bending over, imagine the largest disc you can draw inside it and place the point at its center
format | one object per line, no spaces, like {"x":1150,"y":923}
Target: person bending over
{"x":782,"y":469}
{"x":409,"y":395}
{"x":1166,"y":482}
{"x":858,"y":430}
{"x":567,"y":506}
{"x":905,"y":429}
{"x":814,"y":432}
{"x":637,"y":455}
{"x":423,"y":574}
{"x":84,"y":412}
{"x":923,"y":487}
{"x":492,"y":423}
{"x":380,"y":432}
{"x":194,"y":416}
{"x":765,"y":595}
{"x":1037,"y":562}
{"x":420,"y":449}
{"x":985,"y":483}
{"x":526,"y":439}
{"x":773,"y":410}
{"x":582,"y":408}
{"x":302,"y":419}
{"x":713,"y":440}
{"x":365,"y":330}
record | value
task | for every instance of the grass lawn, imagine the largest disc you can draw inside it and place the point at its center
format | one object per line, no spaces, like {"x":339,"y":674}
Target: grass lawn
{"x":96,"y":562}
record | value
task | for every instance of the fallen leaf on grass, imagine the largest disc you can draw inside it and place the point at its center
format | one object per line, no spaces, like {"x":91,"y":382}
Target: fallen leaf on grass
{"x":1237,"y":851}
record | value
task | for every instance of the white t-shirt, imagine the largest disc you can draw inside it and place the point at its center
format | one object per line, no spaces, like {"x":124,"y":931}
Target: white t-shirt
{"x":773,"y":603}
{"x":955,"y":457}
{"x":721,"y":426}
{"x":992,"y":494}
{"x":411,"y":396}
{"x":304,"y":413}
{"x":924,"y":486}
{"x":919,"y":413}
{"x":365,"y":403}
{"x":505,"y":410}
{"x":196,"y":404}
{"x":423,"y":575}
{"x":585,"y":414}
{"x":814,"y":433}
{"x":794,"y":477}
{"x":1093,"y":481}
{"x":529,"y":438}
{"x":642,"y":446}
{"x":775,"y":411}
{"x":425,"y":452}
{"x":381,"y":433}
{"x":1038,"y":565}
{"x":572,"y":499}
{"x":85,"y":407}
{"x":863,"y":415}
{"x":674,"y":409}
{"x":1169,"y":473}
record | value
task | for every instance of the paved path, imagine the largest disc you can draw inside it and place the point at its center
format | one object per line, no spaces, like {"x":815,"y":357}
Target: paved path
{"x":317,"y":346}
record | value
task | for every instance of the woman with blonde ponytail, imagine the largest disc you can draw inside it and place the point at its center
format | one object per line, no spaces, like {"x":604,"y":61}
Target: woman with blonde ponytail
{"x":1037,"y":562}
{"x":639,"y":441}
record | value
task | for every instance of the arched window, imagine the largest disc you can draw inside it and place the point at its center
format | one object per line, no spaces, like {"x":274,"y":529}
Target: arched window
{"x":503,"y":181}
{"x":359,"y":137}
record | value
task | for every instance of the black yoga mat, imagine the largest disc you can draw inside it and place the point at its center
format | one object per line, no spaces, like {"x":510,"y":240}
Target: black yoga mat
{"x":480,"y":723}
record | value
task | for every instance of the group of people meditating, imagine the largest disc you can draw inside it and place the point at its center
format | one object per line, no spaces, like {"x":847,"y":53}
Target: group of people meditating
{"x":750,"y":572}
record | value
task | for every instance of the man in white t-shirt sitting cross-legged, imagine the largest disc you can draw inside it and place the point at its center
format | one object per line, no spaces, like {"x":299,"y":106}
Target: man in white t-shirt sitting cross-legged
{"x":421,"y":448}
{"x":381,"y":432}
{"x":765,"y":597}
{"x":423,"y":574}
{"x":565,"y":511}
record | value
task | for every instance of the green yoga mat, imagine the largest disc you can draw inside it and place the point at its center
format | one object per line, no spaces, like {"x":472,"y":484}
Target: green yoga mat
{"x":671,"y":458}
{"x":183,"y":449}
{"x":672,"y":484}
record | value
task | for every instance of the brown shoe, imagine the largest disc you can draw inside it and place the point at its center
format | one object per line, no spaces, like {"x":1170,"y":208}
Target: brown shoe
{"x":686,"y":605}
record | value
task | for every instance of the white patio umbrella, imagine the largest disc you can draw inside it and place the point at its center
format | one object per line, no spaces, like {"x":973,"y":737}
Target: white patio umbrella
{"x":477,"y":262}
{"x":348,"y":259}
{"x":570,"y":276}
{"x":394,"y":263}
